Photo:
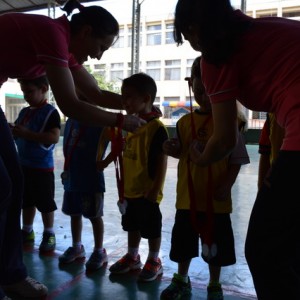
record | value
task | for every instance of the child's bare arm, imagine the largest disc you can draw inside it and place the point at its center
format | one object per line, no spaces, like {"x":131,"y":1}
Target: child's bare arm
{"x":48,"y":137}
{"x":102,"y":164}
{"x":171,"y":147}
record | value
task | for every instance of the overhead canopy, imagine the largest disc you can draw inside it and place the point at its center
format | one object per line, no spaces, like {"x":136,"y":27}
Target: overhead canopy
{"x":29,"y":5}
{"x":179,"y":103}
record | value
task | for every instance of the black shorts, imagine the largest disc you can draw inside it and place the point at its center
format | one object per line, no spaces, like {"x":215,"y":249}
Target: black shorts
{"x":185,"y":239}
{"x":39,"y":189}
{"x":144,"y":216}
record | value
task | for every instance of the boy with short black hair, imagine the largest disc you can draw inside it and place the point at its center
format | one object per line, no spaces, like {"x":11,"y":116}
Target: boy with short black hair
{"x":36,"y":131}
{"x":144,"y":174}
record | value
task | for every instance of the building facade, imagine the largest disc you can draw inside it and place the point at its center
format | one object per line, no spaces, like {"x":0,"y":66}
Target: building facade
{"x":159,"y":56}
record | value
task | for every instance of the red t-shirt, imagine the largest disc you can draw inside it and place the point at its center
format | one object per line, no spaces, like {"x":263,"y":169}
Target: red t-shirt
{"x":31,"y":41}
{"x":263,"y":74}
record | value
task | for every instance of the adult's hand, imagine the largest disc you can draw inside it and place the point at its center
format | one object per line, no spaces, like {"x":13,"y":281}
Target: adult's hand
{"x":132,"y":123}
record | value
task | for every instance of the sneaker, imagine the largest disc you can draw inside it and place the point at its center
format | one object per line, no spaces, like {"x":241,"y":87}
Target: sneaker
{"x":215,"y":292}
{"x":177,"y":289}
{"x":71,"y":254}
{"x":96,"y":261}
{"x":27,"y":288}
{"x":125,"y":264}
{"x":48,"y":242}
{"x":28,"y":237}
{"x":151,"y":270}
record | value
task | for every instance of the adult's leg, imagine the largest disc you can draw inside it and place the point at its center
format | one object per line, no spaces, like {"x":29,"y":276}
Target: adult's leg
{"x":12,"y":268}
{"x":272,"y":244}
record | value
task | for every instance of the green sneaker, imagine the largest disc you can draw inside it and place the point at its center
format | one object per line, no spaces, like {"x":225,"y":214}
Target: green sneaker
{"x":28,"y":237}
{"x":48,"y":242}
{"x":215,"y":292}
{"x":177,"y":289}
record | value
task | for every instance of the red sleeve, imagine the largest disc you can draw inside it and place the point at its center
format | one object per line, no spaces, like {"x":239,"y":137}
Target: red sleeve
{"x":221,"y":83}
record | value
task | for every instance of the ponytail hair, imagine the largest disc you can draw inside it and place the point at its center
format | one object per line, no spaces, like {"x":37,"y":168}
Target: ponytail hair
{"x":71,"y":5}
{"x":102,"y":22}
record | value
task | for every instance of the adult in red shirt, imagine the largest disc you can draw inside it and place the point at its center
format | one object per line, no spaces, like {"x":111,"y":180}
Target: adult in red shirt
{"x":255,"y":61}
{"x":31,"y":46}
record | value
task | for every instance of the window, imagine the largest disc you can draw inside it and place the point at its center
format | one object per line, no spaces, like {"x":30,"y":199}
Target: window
{"x":99,"y":69}
{"x":172,"y":69}
{"x":291,"y":12}
{"x":154,"y":35}
{"x":266,"y":13}
{"x":13,"y":106}
{"x":169,"y":34}
{"x":189,"y":63}
{"x":119,"y":43}
{"x":156,"y":102}
{"x":116,"y":71}
{"x":153,"y":69}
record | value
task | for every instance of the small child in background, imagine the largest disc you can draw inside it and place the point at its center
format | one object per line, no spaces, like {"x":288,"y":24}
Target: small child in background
{"x":36,"y":131}
{"x":144,"y":174}
{"x":270,"y":141}
{"x":212,"y":183}
{"x":84,"y":187}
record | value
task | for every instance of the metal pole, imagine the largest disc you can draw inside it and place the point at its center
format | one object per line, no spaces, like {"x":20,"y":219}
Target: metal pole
{"x":244,"y":6}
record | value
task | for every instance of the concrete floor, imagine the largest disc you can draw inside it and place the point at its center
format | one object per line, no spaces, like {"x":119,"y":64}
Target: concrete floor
{"x":72,"y":282}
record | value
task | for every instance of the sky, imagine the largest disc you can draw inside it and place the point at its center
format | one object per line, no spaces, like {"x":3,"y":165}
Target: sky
{"x":122,"y":9}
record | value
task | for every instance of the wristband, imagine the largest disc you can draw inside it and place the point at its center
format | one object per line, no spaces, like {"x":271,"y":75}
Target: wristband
{"x":120,"y":120}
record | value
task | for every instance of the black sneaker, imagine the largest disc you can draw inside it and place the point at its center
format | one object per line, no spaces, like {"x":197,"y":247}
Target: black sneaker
{"x":48,"y":242}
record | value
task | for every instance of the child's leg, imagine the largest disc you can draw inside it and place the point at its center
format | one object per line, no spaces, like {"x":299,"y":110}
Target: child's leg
{"x":154,"y":247}
{"x":48,"y":242}
{"x":28,"y":215}
{"x":76,"y":229}
{"x":214,"y":274}
{"x":48,"y":221}
{"x":98,"y":231}
{"x":183,"y":268}
{"x":99,"y":256}
{"x":134,"y":239}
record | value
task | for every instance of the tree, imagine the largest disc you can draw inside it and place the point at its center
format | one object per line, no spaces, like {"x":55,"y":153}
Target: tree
{"x":104,"y":85}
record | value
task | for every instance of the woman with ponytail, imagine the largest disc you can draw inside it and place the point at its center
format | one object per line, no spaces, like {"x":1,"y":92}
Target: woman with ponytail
{"x":32,"y":46}
{"x":255,"y":61}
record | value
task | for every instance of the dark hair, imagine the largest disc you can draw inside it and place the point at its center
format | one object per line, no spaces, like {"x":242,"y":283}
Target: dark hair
{"x":102,"y":22}
{"x":218,"y":27}
{"x":195,"y":70}
{"x":39,"y":82}
{"x":143,"y":83}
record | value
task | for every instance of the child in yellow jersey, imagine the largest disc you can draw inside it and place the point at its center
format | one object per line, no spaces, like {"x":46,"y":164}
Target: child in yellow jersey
{"x":211,"y":188}
{"x":270,"y":141}
{"x":145,"y":166}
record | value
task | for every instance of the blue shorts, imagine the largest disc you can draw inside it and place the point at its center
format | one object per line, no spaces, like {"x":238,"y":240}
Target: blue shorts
{"x":83,"y":204}
{"x":144,"y":216}
{"x":185,"y":240}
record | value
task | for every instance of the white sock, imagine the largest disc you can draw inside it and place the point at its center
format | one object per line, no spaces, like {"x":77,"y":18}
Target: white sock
{"x":77,"y":245}
{"x":133,"y":252}
{"x":153,"y":254}
{"x":49,"y":229}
